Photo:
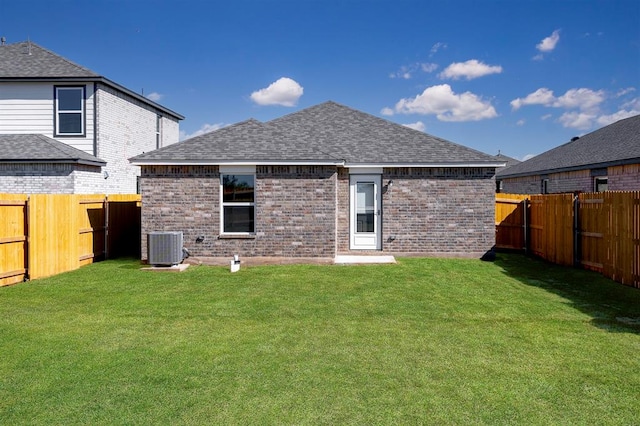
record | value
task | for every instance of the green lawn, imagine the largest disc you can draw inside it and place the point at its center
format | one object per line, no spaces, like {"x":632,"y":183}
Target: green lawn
{"x":426,"y":341}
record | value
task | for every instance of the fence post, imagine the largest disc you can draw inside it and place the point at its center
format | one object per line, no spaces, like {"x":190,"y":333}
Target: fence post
{"x":577,"y":252}
{"x":525,"y":225}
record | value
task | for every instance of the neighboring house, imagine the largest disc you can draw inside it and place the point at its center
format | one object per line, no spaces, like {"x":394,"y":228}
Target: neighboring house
{"x":606,"y":159}
{"x":42,"y":93}
{"x":508,"y":163}
{"x":323,"y":181}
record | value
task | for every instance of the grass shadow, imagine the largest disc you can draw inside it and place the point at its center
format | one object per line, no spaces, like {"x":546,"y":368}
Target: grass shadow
{"x":612,"y":306}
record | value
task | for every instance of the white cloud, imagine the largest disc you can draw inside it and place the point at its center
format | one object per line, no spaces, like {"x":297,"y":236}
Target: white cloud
{"x":527,"y":157}
{"x":605,"y":120}
{"x":284,"y":91}
{"x":386,"y":111}
{"x":625,"y":91}
{"x":155,"y":96}
{"x":428,"y":67}
{"x":436,"y":47}
{"x":583,"y":99}
{"x":538,"y":57}
{"x":447,"y":105}
{"x":469,"y":70}
{"x":520,"y":122}
{"x":406,"y":72}
{"x":418,"y":125}
{"x":577,"y":120}
{"x":542,"y":96}
{"x":549,"y":43}
{"x":206,"y":128}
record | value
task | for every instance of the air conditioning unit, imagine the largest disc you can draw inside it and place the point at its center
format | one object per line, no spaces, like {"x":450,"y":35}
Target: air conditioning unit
{"x":164,"y":248}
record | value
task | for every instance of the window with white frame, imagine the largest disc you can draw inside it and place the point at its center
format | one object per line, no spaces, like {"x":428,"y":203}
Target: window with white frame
{"x":238,"y":203}
{"x":69,"y":110}
{"x":601,"y":184}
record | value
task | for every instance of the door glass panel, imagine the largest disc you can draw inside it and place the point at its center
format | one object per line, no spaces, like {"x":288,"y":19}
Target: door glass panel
{"x":365,"y":207}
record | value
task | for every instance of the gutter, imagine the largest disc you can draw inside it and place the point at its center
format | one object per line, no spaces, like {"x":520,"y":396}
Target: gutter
{"x":571,"y":168}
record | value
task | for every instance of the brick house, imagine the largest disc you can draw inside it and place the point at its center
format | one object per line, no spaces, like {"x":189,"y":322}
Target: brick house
{"x":47,"y":101}
{"x":606,"y":159}
{"x":323,"y":181}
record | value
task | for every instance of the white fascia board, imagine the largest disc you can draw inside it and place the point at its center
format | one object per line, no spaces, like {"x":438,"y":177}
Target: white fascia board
{"x":233,"y":163}
{"x":430,"y":165}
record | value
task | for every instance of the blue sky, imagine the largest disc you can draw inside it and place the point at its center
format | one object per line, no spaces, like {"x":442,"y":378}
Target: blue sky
{"x":518,"y":77}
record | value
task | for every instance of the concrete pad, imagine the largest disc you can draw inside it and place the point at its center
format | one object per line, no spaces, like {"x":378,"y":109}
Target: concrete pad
{"x":175,"y":268}
{"x":353,"y":259}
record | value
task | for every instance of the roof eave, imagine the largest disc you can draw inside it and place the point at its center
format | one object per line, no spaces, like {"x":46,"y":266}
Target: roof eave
{"x":235,"y":162}
{"x":55,"y":161}
{"x":427,"y":164}
{"x":146,"y":162}
{"x":571,"y":168}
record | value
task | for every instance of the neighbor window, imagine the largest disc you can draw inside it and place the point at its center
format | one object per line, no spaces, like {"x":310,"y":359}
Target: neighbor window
{"x":238,"y":203}
{"x":158,"y":127}
{"x":600,"y":184}
{"x":544,"y":186}
{"x":69,"y":106}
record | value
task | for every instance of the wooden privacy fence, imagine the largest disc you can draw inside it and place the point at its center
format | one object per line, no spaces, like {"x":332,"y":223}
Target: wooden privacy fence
{"x":597,"y":231}
{"x":46,"y":234}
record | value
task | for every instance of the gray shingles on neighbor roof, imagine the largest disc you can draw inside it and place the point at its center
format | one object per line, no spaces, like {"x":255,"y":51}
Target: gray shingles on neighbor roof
{"x":327,"y":133}
{"x":615,"y":144}
{"x":32,"y":148}
{"x":27,"y":61}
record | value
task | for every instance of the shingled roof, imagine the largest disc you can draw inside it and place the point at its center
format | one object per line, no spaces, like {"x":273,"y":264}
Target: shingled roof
{"x":615,"y":144}
{"x":27,"y":61}
{"x":328,"y":133}
{"x":33,"y":148}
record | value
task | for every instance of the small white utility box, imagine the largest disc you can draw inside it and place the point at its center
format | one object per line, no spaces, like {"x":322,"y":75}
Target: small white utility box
{"x":235,"y":264}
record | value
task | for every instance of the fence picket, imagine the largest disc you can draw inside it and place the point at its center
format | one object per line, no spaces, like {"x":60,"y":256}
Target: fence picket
{"x":46,"y":234}
{"x":607,"y":234}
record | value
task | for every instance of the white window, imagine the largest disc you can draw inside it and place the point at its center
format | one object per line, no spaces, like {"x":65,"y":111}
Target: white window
{"x":238,"y":202}
{"x":601,"y":184}
{"x":69,"y":106}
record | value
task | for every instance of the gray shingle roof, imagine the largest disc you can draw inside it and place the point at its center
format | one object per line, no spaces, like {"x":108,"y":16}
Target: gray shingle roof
{"x":328,"y":133}
{"x":30,"y":148}
{"x":617,"y":143}
{"x":29,"y":61}
{"x":509,"y":161}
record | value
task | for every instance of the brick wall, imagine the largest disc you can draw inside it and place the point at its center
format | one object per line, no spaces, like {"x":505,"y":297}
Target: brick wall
{"x":295,"y":210}
{"x":430,"y":211}
{"x":37,"y":178}
{"x":620,"y":178}
{"x":624,"y":178}
{"x":126,"y":127}
{"x":443,"y":211}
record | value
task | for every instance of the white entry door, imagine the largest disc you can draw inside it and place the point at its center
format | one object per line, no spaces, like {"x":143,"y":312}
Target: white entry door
{"x":365,"y":217}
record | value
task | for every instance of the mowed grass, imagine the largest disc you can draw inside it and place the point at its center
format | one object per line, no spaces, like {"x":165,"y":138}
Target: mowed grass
{"x":426,"y":341}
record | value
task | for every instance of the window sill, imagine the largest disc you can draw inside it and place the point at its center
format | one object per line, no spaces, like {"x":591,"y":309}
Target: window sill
{"x":237,"y":237}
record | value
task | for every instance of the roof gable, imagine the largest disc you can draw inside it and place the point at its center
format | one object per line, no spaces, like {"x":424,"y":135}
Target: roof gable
{"x":617,"y":143}
{"x":328,"y":133}
{"x":34,"y":148}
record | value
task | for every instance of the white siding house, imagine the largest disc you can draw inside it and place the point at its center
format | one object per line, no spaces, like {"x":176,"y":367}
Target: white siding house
{"x":42,"y":93}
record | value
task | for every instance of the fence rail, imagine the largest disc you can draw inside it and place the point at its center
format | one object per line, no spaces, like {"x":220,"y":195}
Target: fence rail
{"x":596,"y":231}
{"x":46,"y":234}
